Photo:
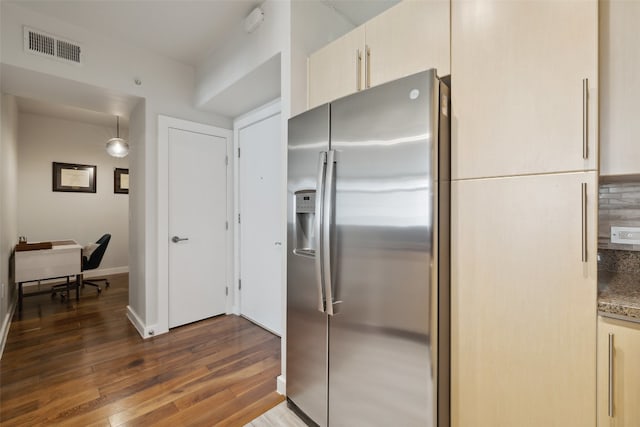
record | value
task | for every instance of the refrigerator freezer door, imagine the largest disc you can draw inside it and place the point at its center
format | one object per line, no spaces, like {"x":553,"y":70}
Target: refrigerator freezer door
{"x":306,"y":325}
{"x":381,"y":369}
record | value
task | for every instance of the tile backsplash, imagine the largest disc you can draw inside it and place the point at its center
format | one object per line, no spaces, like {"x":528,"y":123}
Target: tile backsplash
{"x":619,"y":205}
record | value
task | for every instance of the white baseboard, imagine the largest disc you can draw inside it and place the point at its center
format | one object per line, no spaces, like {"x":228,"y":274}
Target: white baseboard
{"x":144,"y":330}
{"x":281,"y":385}
{"x":87,"y":275}
{"x":105,"y":272}
{"x":6,"y":323}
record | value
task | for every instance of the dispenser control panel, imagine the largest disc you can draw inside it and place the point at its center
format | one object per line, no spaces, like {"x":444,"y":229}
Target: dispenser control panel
{"x":306,"y":202}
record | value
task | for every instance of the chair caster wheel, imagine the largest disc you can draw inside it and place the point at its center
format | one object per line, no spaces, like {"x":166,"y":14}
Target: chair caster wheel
{"x":99,"y":291}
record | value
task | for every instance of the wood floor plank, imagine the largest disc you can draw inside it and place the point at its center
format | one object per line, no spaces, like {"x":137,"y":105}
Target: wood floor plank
{"x":83,"y":364}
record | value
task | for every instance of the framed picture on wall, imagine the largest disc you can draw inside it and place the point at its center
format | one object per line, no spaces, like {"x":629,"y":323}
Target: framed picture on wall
{"x":121,"y":181}
{"x":71,"y":177}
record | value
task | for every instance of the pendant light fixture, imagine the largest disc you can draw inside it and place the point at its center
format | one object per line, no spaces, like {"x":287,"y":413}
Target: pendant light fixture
{"x":117,"y":147}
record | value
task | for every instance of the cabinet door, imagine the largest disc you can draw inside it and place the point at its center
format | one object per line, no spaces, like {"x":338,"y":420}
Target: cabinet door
{"x":523,"y":303}
{"x":517,"y":75}
{"x":410,"y":37}
{"x":337,"y":69}
{"x":620,"y":87}
{"x":625,"y":366}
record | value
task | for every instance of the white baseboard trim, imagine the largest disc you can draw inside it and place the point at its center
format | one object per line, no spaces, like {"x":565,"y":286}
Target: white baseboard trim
{"x":6,"y":323}
{"x":281,"y":385}
{"x":144,"y":330}
{"x":105,"y":272}
{"x":135,"y":321}
{"x":87,"y":275}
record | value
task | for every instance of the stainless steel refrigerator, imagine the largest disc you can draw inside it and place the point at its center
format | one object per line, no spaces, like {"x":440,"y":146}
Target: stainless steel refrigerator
{"x":368,"y":257}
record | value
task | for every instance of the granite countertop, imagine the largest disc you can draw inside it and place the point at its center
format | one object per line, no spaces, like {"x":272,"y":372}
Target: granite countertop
{"x":619,"y":295}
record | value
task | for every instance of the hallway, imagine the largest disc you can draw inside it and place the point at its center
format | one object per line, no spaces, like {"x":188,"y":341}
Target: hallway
{"x":85,"y":364}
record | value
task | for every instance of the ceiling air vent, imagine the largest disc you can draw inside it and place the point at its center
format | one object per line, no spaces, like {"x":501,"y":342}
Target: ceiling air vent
{"x":43,"y":44}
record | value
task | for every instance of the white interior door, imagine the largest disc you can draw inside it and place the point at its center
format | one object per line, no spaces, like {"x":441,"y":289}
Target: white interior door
{"x":197,"y":226}
{"x":261,"y":223}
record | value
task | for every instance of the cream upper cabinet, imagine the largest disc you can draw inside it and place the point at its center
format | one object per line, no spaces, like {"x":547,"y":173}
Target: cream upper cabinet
{"x":411,"y":36}
{"x":408,"y":38}
{"x":620,"y":87}
{"x":523,"y":302}
{"x":520,"y":102}
{"x":618,"y":368}
{"x":337,"y":69}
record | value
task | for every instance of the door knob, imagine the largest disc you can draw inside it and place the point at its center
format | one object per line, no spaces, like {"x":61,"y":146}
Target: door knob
{"x":278,"y":243}
{"x":176,"y":239}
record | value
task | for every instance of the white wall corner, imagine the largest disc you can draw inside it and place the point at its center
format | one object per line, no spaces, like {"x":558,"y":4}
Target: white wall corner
{"x":6,"y":322}
{"x":144,"y":330}
{"x":281,"y":385}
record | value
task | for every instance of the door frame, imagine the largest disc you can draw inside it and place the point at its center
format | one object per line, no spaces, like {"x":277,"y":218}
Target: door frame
{"x":164,"y":124}
{"x":261,"y":113}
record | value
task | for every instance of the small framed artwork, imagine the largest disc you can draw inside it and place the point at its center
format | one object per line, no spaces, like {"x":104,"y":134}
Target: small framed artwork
{"x":71,"y":177}
{"x":121,"y":181}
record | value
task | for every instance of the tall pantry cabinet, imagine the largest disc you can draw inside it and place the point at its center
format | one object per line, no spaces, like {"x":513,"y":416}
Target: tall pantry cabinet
{"x":524,"y":212}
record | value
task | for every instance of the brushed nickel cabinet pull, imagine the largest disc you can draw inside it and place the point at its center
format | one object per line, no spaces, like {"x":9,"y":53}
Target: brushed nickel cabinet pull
{"x":610,"y":375}
{"x":585,"y":118}
{"x":358,"y":70}
{"x":367,"y":65}
{"x":584,"y":222}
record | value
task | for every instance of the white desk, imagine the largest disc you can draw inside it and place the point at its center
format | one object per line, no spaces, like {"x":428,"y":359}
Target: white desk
{"x":64,"y":259}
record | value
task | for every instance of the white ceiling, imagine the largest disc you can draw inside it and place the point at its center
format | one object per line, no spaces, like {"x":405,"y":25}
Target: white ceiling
{"x":185,"y":30}
{"x":42,"y":108}
{"x":360,"y":11}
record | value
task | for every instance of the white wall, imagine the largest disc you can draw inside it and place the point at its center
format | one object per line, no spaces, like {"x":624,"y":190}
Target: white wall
{"x":167,"y":88}
{"x":243,"y":52}
{"x":8,"y":205}
{"x":137,"y":211}
{"x":45,"y":215}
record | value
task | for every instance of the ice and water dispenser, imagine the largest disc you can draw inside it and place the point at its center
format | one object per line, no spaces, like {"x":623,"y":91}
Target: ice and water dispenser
{"x":305,"y":206}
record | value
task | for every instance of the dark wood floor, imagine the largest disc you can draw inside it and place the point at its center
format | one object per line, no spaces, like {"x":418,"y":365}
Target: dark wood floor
{"x":84,"y":364}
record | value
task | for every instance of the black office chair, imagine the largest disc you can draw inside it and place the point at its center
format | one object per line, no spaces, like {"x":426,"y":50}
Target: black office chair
{"x":90,"y":263}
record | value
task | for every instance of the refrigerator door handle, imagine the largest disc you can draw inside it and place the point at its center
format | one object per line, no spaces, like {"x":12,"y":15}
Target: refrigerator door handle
{"x":320,"y":189}
{"x":326,"y":230}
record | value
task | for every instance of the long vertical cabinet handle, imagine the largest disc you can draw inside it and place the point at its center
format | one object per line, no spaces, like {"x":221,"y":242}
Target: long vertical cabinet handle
{"x":585,"y":118}
{"x":367,"y":66}
{"x":326,"y":230}
{"x":358,"y":70}
{"x":584,"y":222}
{"x":610,"y":412}
{"x":320,"y":192}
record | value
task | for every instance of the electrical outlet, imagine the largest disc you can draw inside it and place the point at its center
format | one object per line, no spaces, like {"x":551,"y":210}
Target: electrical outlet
{"x":625,"y":235}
